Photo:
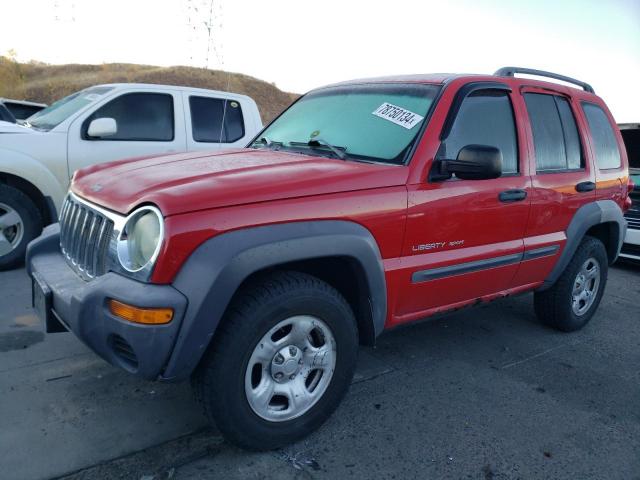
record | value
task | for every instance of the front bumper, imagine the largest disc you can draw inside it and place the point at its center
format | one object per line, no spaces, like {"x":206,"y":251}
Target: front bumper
{"x":81,"y":307}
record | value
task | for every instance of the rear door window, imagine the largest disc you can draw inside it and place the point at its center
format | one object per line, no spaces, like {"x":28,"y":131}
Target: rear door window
{"x":571,"y":136}
{"x":604,"y":140}
{"x":555,"y":134}
{"x":216,"y":120}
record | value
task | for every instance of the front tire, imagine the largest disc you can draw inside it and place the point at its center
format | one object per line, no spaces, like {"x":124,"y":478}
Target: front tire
{"x":571,"y":302}
{"x":282,"y":359}
{"x":20,"y":222}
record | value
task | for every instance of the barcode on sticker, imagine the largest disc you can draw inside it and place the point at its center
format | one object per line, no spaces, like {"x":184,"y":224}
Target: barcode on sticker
{"x":398,"y":115}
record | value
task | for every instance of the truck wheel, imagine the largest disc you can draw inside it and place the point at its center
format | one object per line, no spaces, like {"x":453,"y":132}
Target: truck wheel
{"x":282,"y":359}
{"x":20,"y":222}
{"x":571,"y":302}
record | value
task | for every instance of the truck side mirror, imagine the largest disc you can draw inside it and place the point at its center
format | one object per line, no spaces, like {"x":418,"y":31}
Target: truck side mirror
{"x":102,"y":127}
{"x":474,"y":162}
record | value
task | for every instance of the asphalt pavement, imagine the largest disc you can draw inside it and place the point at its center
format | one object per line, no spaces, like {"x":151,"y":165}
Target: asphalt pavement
{"x":486,"y":393}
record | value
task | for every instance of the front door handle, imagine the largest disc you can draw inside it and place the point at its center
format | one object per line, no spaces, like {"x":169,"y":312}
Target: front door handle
{"x":585,"y":187}
{"x":509,"y":196}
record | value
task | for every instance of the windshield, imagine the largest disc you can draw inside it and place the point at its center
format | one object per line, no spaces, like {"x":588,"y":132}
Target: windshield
{"x":376,"y":122}
{"x":59,"y":111}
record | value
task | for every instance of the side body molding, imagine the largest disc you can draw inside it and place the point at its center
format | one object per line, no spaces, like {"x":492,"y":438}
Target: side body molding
{"x":216,"y":269}
{"x":587,"y":216}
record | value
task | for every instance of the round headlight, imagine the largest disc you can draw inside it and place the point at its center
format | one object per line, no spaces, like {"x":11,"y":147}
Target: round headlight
{"x":140,"y":239}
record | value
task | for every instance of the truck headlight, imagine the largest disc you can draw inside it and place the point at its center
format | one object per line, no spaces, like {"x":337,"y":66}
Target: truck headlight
{"x":139,"y":240}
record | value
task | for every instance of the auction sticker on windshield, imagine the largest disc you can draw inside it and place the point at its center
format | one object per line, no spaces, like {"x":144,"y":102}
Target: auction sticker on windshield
{"x":398,"y":115}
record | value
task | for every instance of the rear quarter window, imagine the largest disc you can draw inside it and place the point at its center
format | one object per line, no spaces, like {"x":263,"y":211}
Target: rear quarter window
{"x":604,"y":140}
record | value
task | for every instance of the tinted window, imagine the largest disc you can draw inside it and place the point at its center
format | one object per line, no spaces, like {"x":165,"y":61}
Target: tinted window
{"x":555,"y":134}
{"x":22,"y":111}
{"x":631,"y":139}
{"x":485,"y":118}
{"x":216,"y":120}
{"x":140,"y":116}
{"x":570,"y":130}
{"x":604,"y":140}
{"x":6,"y":115}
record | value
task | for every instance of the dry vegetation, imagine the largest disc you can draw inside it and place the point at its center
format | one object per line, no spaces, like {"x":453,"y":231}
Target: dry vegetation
{"x":40,"y":82}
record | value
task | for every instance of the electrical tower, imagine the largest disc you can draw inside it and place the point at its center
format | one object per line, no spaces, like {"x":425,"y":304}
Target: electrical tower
{"x":205,"y":40}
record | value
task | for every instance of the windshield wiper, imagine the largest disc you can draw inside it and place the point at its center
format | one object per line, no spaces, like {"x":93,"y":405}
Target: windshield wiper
{"x":318,"y":142}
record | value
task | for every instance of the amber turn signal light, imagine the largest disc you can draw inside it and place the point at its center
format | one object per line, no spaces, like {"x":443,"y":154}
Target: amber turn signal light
{"x":148,"y":316}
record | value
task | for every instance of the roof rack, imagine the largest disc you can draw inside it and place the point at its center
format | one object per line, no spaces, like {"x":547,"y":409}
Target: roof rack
{"x":511,"y":71}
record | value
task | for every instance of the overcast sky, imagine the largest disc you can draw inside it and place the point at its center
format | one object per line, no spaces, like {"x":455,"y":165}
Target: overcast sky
{"x":300,"y":44}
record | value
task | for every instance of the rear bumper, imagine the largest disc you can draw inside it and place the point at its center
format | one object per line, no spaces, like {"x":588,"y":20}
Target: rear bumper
{"x":631,"y":245}
{"x":81,"y":307}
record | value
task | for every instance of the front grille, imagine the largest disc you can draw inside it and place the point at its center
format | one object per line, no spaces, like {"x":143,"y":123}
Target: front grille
{"x":633,"y":215}
{"x":84,"y":237}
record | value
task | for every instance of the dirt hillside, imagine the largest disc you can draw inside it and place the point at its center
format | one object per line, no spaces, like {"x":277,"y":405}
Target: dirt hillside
{"x":41,"y":82}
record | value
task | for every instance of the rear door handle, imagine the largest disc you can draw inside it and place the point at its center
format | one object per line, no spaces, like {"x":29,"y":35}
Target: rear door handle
{"x":585,"y":187}
{"x":512,"y":196}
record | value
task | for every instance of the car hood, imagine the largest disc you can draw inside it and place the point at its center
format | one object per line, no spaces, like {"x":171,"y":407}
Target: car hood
{"x":195,"y":181}
{"x":8,"y":127}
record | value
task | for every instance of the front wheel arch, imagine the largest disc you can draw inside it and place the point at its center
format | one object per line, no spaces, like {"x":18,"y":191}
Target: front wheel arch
{"x":343,"y":273}
{"x":215,"y":270}
{"x":21,"y":223}
{"x":45,"y":204}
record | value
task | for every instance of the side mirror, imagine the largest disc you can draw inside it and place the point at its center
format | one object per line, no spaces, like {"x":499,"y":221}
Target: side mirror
{"x":102,"y":127}
{"x":474,"y":162}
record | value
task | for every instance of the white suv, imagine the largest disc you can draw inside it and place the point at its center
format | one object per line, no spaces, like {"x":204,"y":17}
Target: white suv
{"x":631,"y":136}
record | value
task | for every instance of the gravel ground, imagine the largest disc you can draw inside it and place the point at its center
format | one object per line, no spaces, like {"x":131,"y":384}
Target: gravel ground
{"x":487,"y":393}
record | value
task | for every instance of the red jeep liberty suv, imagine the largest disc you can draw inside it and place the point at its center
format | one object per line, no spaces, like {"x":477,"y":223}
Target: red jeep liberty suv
{"x":368,"y":204}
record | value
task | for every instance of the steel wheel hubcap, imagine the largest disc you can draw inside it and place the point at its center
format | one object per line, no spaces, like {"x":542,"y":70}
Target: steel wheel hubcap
{"x":290,"y":368}
{"x":585,"y":286}
{"x":11,"y":229}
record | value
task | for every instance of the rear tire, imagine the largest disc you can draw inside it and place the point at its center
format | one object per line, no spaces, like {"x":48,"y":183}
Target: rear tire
{"x":571,"y":302}
{"x":257,"y":381}
{"x":20,"y":222}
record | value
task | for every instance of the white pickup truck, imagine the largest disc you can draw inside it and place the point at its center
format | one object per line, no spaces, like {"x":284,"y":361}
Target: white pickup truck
{"x":100,"y":124}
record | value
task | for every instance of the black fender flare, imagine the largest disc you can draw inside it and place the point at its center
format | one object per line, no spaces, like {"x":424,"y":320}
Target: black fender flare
{"x":214,"y":271}
{"x":587,"y":216}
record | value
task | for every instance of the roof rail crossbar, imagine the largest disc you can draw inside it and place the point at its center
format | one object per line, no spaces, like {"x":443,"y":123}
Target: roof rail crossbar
{"x":511,"y":71}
